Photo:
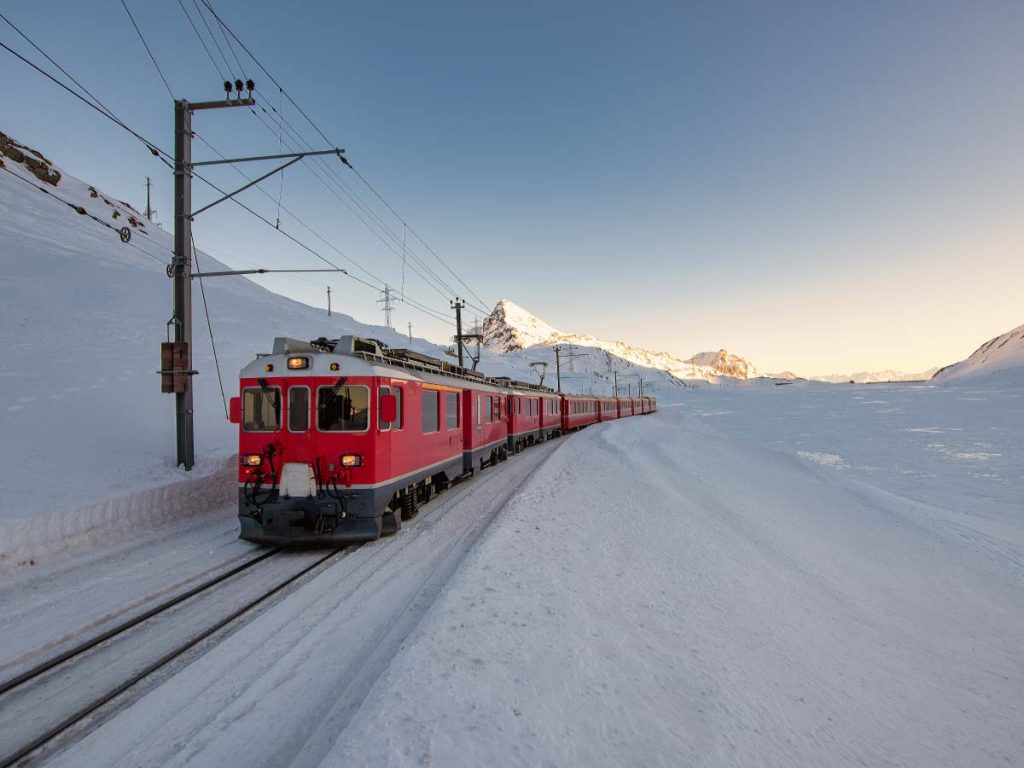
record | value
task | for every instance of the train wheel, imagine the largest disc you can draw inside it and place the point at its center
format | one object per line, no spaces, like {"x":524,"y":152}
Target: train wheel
{"x":409,"y":508}
{"x":503,"y":453}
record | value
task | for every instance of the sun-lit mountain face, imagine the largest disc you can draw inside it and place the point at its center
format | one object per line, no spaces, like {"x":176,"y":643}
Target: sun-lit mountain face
{"x":510,"y":328}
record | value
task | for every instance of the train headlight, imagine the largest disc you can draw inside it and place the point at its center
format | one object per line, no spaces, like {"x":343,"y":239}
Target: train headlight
{"x":351,"y":460}
{"x":298,"y":363}
{"x":252,"y":459}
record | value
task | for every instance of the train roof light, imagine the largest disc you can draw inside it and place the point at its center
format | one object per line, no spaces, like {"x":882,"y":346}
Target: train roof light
{"x":298,"y":363}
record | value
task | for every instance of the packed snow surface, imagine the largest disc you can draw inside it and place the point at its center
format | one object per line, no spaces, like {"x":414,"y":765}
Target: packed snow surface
{"x":786,"y":576}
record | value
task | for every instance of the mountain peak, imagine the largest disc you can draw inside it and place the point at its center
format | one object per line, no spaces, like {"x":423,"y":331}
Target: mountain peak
{"x":510,"y":328}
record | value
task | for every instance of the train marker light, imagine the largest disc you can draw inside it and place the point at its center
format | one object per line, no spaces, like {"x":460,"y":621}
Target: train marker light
{"x":351,"y":460}
{"x":335,"y":366}
{"x":268,"y":367}
{"x":252,"y":459}
{"x":298,"y":363}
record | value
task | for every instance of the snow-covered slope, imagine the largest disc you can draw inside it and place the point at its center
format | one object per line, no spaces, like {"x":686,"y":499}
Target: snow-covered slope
{"x":85,"y":428}
{"x":999,"y":359}
{"x":511,"y":328}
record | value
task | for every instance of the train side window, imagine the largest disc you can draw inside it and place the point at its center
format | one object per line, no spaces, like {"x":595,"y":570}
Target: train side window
{"x":495,"y":409}
{"x":298,"y":409}
{"x":382,"y":425}
{"x":479,"y":410}
{"x":397,"y":423}
{"x":431,"y":420}
{"x":451,"y":410}
{"x":261,"y":409}
{"x":343,"y":408}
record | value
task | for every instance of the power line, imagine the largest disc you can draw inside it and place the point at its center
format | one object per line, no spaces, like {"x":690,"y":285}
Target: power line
{"x":415,"y":304}
{"x":302,"y":112}
{"x":213,"y":37}
{"x":153,"y":148}
{"x":144,"y":43}
{"x":209,"y":326}
{"x":201,"y":41}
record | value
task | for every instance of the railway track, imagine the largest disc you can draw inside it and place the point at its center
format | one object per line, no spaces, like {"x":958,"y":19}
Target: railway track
{"x":49,"y":708}
{"x":50,"y":699}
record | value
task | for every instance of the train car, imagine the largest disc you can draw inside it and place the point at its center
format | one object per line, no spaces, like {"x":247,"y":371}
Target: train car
{"x":607,"y":409}
{"x":524,"y":414}
{"x":578,"y":411}
{"x":340,"y":441}
{"x":625,"y":407}
{"x":550,"y":415}
{"x":485,"y":435}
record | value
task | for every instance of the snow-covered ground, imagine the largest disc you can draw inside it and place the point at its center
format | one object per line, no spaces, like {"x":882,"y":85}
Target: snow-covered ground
{"x":785,"y":576}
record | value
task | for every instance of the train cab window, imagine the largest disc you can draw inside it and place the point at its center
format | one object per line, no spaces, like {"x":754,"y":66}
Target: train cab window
{"x":431,"y":420}
{"x":261,"y":409}
{"x":343,"y":408}
{"x":298,"y":409}
{"x":451,"y":410}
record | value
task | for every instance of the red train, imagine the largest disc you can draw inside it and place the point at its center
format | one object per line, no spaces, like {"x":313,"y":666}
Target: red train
{"x":342,"y":439}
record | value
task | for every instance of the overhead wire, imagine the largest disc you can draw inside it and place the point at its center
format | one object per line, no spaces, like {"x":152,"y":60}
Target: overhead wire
{"x":201,"y":40}
{"x":213,"y":38}
{"x":164,"y":156}
{"x":396,"y":247}
{"x":146,"y":45}
{"x":209,"y":326}
{"x":151,"y":146}
{"x":315,"y":127}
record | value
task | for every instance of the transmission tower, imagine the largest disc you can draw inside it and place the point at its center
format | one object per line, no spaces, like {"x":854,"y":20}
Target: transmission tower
{"x":387,"y":302}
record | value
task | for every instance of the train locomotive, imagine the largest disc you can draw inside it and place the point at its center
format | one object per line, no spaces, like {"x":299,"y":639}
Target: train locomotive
{"x":341,"y":440}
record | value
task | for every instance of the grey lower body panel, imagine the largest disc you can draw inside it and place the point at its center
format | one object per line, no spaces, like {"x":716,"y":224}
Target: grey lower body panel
{"x":334,"y":516}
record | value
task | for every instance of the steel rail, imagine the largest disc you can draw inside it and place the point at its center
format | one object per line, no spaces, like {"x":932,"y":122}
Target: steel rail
{"x":111,"y":693}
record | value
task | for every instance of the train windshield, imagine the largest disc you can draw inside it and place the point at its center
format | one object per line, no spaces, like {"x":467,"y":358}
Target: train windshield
{"x":261,"y":409}
{"x":343,"y":409}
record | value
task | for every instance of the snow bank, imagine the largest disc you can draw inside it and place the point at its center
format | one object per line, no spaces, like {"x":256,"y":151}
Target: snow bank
{"x":213,"y":485}
{"x":662,"y":595}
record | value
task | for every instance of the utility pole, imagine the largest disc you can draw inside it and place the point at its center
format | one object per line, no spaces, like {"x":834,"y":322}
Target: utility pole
{"x":457,"y":305}
{"x":615,"y":374}
{"x":149,"y":208}
{"x":410,"y":333}
{"x":181,"y":268}
{"x":558,"y":366}
{"x":176,"y":356}
{"x":387,"y":305}
{"x":328,"y":301}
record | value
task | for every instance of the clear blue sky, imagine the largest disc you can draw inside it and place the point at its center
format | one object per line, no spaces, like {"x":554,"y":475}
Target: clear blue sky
{"x":818,"y":186}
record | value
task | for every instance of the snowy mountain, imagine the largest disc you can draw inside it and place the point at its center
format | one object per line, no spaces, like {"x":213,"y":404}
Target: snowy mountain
{"x":875,"y":377}
{"x":510,"y":328}
{"x":999,"y":359}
